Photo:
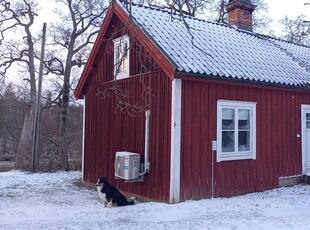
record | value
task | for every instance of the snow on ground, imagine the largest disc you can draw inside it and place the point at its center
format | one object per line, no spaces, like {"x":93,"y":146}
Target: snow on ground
{"x":51,"y":201}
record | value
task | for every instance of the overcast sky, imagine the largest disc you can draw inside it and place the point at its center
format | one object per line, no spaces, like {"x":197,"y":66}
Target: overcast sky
{"x":278,"y":9}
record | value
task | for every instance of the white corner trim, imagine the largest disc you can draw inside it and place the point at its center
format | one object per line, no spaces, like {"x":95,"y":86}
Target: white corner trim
{"x":175,"y":167}
{"x":83,"y":137}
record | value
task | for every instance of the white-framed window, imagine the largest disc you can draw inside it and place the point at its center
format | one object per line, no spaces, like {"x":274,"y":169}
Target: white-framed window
{"x":236,"y":130}
{"x":121,"y":57}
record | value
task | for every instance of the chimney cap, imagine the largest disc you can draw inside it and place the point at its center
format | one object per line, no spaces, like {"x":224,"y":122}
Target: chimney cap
{"x":243,"y":4}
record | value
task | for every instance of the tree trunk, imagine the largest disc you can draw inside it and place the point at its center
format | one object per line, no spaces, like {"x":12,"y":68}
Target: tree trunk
{"x":63,"y":145}
{"x":24,"y":152}
{"x":63,"y":134}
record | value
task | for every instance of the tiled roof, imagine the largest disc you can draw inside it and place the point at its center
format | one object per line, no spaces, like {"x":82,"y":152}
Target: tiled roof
{"x":210,"y":49}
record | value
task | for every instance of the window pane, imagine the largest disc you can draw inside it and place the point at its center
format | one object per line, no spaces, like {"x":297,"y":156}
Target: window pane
{"x":308,"y":116}
{"x":228,"y":117}
{"x":118,"y":59}
{"x":125,"y":57}
{"x":125,"y":50}
{"x":244,"y":141}
{"x":244,"y":119}
{"x":228,"y":138}
{"x":308,"y":124}
{"x":122,"y":57}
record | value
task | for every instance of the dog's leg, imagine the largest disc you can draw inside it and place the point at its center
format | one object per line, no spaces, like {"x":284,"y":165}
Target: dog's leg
{"x":110,"y":204}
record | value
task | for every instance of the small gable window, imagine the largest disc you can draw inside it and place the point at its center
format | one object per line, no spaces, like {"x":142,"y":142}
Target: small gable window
{"x":236,"y":130}
{"x":121,"y":57}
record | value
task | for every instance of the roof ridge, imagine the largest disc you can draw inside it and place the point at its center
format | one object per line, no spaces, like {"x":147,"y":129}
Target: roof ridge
{"x":281,"y":40}
{"x":170,"y":12}
{"x":167,"y":10}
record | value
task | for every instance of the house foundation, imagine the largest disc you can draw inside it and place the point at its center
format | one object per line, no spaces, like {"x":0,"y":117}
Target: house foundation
{"x":290,"y":181}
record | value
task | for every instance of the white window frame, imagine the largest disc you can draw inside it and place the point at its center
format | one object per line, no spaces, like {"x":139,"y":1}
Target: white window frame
{"x":236,"y":155}
{"x":117,"y":42}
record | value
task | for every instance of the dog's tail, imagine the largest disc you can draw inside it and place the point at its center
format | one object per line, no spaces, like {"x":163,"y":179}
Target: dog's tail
{"x":131,"y":201}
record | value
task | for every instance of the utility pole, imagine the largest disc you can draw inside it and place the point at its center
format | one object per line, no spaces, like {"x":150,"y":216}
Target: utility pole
{"x":35,"y":144}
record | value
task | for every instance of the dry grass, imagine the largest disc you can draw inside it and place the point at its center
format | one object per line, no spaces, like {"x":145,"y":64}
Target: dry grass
{"x":81,"y":184}
{"x":6,"y":166}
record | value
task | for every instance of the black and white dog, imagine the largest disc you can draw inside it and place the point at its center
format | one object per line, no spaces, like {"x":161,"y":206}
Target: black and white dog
{"x":110,"y":195}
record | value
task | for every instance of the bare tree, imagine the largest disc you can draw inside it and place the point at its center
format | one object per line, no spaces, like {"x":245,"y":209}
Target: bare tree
{"x":296,"y":30}
{"x":187,"y":7}
{"x":76,"y":31}
{"x":18,"y":17}
{"x":49,"y":149}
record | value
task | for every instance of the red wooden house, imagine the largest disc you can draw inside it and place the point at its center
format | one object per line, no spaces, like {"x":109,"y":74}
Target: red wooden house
{"x":229,"y":108}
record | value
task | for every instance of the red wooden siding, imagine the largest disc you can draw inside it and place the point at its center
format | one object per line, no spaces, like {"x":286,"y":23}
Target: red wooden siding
{"x":109,"y":130}
{"x":112,"y":127}
{"x":277,"y":145}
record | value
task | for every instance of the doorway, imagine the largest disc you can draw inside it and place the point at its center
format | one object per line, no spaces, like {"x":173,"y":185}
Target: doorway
{"x":305,"y":113}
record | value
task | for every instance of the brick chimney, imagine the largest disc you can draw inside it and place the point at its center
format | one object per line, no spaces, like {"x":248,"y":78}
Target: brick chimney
{"x":240,"y":14}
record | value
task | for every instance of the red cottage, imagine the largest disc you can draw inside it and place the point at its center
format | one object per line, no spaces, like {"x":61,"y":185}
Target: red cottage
{"x":227,"y":110}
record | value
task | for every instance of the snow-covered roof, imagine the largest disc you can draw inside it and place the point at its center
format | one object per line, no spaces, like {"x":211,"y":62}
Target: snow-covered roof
{"x":208,"y":49}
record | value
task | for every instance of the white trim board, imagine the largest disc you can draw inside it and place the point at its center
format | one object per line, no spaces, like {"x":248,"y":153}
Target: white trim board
{"x":175,"y":167}
{"x":83,"y":137}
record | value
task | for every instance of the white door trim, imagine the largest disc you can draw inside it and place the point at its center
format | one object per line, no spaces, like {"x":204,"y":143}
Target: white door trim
{"x":303,"y":141}
{"x":175,"y":164}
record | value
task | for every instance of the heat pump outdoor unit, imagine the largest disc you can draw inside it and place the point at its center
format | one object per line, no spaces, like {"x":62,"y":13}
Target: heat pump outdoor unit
{"x":127,"y":165}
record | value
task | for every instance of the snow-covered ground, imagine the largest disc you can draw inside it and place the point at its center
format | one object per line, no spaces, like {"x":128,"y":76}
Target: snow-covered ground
{"x":51,"y":201}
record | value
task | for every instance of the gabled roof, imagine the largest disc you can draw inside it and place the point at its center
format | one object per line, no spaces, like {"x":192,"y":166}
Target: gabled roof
{"x":210,"y":49}
{"x":206,"y":49}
